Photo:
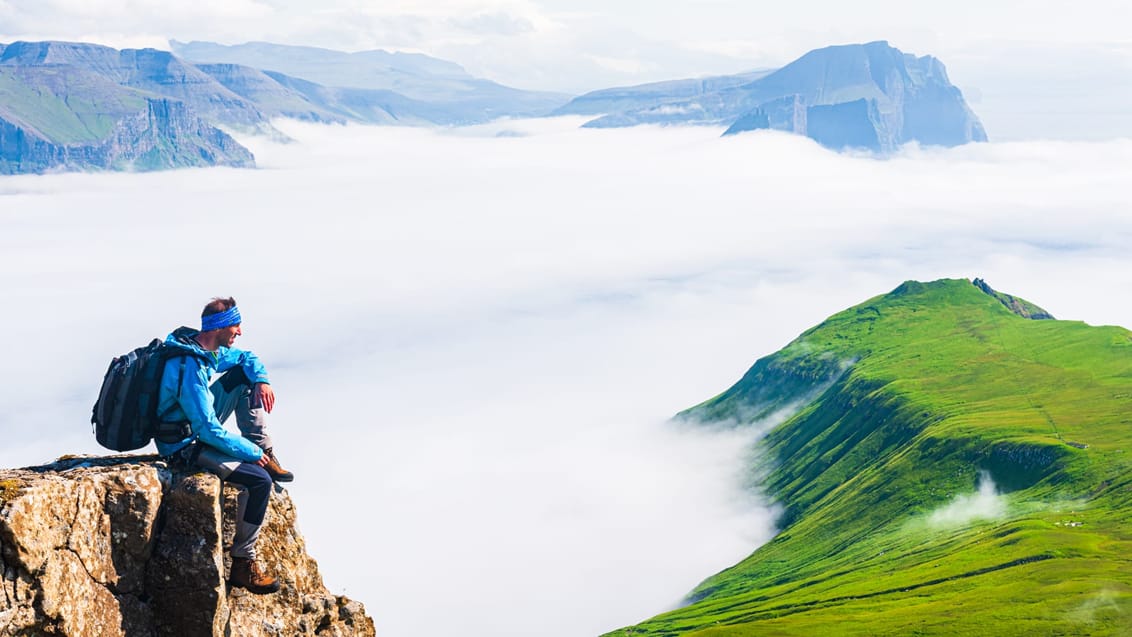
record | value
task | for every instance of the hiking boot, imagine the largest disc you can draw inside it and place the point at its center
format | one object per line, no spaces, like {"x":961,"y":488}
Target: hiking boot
{"x":277,"y":473}
{"x":246,"y":574}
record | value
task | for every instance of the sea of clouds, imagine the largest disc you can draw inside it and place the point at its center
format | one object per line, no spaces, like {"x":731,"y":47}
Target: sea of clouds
{"x":476,"y":336}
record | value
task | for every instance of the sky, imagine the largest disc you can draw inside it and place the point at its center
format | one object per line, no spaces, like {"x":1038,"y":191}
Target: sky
{"x":1034,"y":70}
{"x":477,"y":336}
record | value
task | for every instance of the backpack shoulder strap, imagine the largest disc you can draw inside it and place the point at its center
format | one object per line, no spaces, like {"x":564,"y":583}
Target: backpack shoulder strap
{"x":169,"y":352}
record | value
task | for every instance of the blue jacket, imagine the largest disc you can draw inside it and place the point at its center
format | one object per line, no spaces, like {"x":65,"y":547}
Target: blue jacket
{"x":185,"y":395}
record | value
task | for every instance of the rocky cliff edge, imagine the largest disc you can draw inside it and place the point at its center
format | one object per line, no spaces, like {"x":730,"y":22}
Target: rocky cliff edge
{"x":125,"y":546}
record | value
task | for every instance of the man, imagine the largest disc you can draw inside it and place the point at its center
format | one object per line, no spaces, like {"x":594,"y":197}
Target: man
{"x":193,"y":408}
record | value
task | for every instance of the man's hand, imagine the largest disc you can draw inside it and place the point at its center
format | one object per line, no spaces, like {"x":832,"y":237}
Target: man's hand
{"x":263,"y":395}
{"x":263,"y":460}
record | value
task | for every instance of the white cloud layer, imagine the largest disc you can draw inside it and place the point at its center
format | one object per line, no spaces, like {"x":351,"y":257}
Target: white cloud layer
{"x":475,"y":340}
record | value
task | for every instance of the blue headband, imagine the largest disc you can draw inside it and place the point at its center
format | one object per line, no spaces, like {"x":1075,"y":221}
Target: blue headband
{"x":219,"y":321}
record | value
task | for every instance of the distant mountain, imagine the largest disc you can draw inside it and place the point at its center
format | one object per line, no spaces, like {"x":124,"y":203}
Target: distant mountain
{"x":81,"y":106}
{"x":286,"y":96}
{"x":410,"y":86}
{"x":67,"y":105}
{"x":268,"y":94}
{"x":148,"y":70}
{"x":869,"y":96}
{"x":951,"y":465}
{"x":646,"y":97}
{"x":411,"y":74}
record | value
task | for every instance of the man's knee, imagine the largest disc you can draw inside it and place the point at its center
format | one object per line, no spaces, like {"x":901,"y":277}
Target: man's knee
{"x":254,"y":477}
{"x":256,"y":480}
{"x":233,"y":378}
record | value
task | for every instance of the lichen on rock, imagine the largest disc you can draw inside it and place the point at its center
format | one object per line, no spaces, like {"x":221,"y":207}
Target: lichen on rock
{"x":124,"y":546}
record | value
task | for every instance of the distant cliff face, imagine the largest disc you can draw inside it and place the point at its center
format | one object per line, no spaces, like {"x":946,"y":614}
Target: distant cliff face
{"x":150,"y":70}
{"x":861,"y":96}
{"x":160,"y":134}
{"x":72,"y":106}
{"x":1021,"y":307}
{"x":101,"y":547}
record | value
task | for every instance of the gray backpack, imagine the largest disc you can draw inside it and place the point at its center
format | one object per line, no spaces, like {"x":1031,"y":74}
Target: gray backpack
{"x":125,"y":415}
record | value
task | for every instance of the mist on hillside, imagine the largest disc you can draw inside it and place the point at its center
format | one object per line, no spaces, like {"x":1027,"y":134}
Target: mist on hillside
{"x":985,"y":503}
{"x":476,"y":340}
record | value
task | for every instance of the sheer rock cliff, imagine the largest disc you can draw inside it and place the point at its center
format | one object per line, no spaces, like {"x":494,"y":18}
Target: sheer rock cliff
{"x":872,"y":96}
{"x":125,"y":546}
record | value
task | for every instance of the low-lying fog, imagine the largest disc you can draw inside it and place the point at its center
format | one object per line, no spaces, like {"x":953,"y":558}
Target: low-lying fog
{"x":476,"y":335}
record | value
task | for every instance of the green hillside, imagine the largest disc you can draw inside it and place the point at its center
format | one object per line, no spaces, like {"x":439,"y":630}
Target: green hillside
{"x":905,"y":405}
{"x":63,"y":104}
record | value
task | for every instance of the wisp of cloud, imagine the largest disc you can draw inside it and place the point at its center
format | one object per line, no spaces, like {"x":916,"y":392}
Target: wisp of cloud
{"x":985,"y":504}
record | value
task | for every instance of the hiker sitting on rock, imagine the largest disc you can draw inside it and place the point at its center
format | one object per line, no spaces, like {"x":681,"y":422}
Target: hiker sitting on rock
{"x":188,"y":396}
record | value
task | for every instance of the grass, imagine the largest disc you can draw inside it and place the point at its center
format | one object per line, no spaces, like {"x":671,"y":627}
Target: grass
{"x":83,"y":114}
{"x":919,"y":391}
{"x":64,"y":104}
{"x":9,"y":489}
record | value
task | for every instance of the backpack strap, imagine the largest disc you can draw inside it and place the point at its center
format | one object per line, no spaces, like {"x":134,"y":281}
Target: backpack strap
{"x":175,"y":431}
{"x":180,"y":380}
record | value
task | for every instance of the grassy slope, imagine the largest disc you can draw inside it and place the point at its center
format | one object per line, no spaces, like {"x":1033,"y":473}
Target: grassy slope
{"x":63,"y":104}
{"x":944,"y":382}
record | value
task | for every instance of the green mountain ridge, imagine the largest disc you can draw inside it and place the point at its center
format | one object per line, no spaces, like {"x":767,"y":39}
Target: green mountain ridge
{"x":905,"y":405}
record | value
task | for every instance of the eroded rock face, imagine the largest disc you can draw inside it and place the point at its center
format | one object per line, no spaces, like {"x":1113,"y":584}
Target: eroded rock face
{"x":123,"y":546}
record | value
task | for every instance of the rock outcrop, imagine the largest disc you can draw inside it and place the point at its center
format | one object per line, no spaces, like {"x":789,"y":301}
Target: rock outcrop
{"x":125,"y":546}
{"x":1021,"y":307}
